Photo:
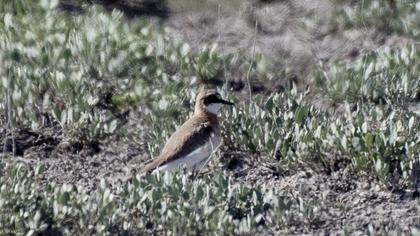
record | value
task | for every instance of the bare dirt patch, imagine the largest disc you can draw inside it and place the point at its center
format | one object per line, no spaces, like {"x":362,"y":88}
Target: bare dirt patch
{"x":294,"y":36}
{"x":77,"y":163}
{"x":278,"y":30}
{"x":346,"y":202}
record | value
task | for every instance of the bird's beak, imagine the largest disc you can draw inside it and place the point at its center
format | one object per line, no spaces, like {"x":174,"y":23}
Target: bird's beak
{"x":225,"y":102}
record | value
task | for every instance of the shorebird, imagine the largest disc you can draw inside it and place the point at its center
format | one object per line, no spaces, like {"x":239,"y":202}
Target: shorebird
{"x":192,"y":144}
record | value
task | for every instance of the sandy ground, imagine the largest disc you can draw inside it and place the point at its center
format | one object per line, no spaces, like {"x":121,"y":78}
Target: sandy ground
{"x":346,"y":201}
{"x":282,"y":32}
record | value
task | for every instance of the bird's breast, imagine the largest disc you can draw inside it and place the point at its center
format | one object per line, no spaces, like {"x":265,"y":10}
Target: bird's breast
{"x":196,"y":157}
{"x":216,"y":139}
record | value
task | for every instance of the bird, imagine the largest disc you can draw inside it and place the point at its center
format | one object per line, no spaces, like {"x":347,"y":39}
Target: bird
{"x":194,"y":141}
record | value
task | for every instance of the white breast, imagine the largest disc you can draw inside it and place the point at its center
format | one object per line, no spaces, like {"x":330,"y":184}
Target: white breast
{"x":195,"y":158}
{"x":213,"y":108}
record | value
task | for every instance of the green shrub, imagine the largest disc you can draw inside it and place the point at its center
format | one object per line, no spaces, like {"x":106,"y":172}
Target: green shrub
{"x":402,"y":17}
{"x":390,"y":76}
{"x":168,"y":204}
{"x":277,"y":126}
{"x":81,"y":72}
{"x":374,"y":139}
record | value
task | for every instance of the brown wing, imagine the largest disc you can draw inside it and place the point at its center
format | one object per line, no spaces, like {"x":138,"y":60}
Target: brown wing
{"x":182,"y":143}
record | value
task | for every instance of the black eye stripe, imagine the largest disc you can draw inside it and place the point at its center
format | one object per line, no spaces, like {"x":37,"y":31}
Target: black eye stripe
{"x":211,"y":99}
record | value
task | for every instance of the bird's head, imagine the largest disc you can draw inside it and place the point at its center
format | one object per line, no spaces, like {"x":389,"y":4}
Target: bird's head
{"x":209,"y":101}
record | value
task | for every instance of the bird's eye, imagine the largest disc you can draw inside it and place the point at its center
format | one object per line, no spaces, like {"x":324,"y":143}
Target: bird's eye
{"x":213,"y":98}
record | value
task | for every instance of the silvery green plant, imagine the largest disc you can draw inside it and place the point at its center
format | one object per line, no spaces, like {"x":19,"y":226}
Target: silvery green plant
{"x":168,"y":203}
{"x":283,"y":127}
{"x":79,"y":72}
{"x":401,"y":17}
{"x":374,"y":139}
{"x":386,"y":76}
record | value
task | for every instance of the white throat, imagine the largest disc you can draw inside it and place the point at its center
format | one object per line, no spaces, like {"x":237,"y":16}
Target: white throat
{"x":213,"y":108}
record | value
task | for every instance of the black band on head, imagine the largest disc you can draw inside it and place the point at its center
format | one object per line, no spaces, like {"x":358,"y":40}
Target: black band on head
{"x":211,"y":99}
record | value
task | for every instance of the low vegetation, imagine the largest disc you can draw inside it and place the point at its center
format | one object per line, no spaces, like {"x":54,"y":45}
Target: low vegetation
{"x":167,"y":203}
{"x":87,"y":74}
{"x":388,"y":16}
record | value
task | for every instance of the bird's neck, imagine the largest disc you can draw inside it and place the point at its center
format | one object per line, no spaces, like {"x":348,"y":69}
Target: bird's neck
{"x":202,"y":113}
